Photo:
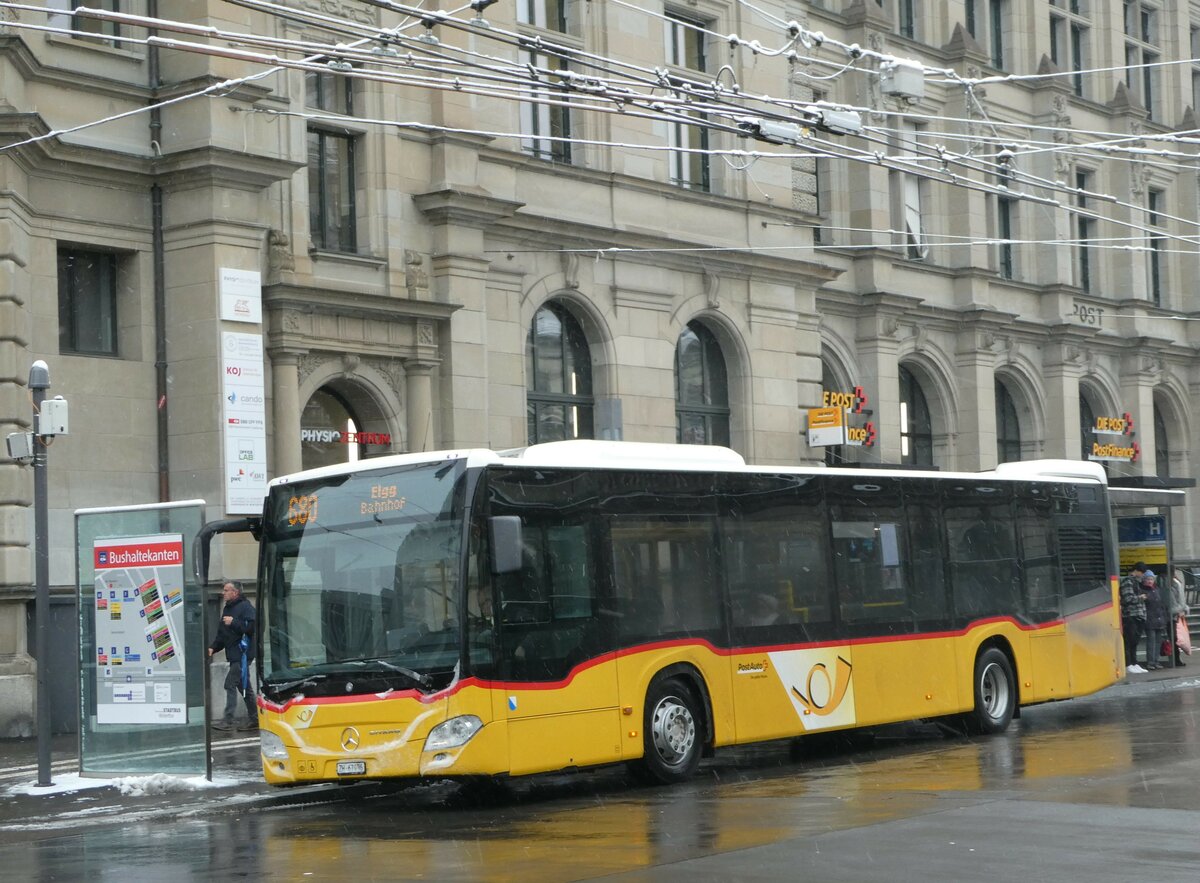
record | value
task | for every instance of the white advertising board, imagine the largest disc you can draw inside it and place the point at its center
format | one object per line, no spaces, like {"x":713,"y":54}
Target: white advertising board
{"x":244,"y":419}
{"x":140,"y":630}
{"x":241,"y":295}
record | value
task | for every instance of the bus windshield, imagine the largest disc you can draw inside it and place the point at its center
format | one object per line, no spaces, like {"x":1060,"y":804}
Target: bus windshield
{"x":360,"y":574}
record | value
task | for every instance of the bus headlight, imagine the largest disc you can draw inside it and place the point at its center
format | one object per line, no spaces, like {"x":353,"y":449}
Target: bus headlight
{"x":272,"y":746}
{"x":452,"y":733}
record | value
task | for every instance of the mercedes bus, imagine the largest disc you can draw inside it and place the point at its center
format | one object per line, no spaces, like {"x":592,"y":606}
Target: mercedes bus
{"x":476,"y":613}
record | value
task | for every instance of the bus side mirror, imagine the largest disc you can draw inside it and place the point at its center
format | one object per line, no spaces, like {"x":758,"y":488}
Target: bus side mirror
{"x":504,"y":539}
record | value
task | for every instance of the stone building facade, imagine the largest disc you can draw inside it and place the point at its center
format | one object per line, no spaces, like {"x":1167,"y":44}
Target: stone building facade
{"x":495,"y":272}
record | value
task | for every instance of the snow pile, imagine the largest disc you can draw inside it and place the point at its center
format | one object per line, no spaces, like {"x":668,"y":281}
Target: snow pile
{"x":161,"y":783}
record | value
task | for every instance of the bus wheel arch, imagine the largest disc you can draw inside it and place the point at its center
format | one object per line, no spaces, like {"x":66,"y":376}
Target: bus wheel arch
{"x":994,"y":689}
{"x":676,"y":726}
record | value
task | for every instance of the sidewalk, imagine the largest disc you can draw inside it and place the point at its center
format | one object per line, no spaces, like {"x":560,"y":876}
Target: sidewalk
{"x":28,"y":811}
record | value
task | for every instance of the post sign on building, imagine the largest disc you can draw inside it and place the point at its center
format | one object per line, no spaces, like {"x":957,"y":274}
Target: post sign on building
{"x":826,"y":426}
{"x":842,"y":429}
{"x":241,"y":295}
{"x":244,"y":418}
{"x":139,"y":627}
{"x":1113,"y":440}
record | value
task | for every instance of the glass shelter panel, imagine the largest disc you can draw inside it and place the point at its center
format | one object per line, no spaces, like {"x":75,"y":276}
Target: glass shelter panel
{"x":142,"y":640}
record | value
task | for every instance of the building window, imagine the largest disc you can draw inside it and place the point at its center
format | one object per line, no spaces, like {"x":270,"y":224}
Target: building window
{"x":1008,"y":426}
{"x":835,"y":455}
{"x":83,"y":23}
{"x":701,"y":389}
{"x":1162,"y":446}
{"x":1084,"y":231}
{"x":907,"y":196}
{"x":331,"y":197}
{"x":545,"y":126}
{"x":689,"y":154}
{"x":1142,"y":53}
{"x":916,"y":424}
{"x":1005,"y":210}
{"x":328,"y":91}
{"x":1194,"y":41}
{"x":1156,"y":245}
{"x":686,"y":41}
{"x":553,"y":15}
{"x":906,"y":18}
{"x":985,"y":21}
{"x":1006,"y":218}
{"x":1069,"y":31}
{"x":87,"y":302}
{"x":558,"y":367}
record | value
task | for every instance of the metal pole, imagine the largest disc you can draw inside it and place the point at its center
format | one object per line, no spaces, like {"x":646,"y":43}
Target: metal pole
{"x":39,"y":382}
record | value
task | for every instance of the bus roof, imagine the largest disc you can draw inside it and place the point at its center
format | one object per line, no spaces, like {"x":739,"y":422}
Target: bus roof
{"x":589,"y":453}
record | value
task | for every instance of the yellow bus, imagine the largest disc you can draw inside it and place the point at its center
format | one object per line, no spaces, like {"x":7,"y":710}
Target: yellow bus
{"x":478,"y":613}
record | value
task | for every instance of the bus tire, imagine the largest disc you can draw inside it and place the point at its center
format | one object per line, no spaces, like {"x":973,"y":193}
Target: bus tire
{"x":995,"y":693}
{"x":672,"y":732}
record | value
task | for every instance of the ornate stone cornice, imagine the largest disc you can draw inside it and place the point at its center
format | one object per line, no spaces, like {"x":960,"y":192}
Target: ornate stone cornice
{"x":470,"y":208}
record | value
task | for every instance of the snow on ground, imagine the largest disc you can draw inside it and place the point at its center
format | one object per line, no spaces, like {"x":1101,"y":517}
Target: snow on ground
{"x":129,"y":786}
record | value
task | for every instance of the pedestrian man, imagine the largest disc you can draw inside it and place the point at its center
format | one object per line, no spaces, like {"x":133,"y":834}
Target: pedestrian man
{"x":235,"y":635}
{"x":1133,"y":615}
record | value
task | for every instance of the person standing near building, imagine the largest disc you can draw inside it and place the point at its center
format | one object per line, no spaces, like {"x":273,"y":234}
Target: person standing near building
{"x":1133,"y":615}
{"x":235,"y":635}
{"x":1156,"y":618}
{"x":1179,"y":610}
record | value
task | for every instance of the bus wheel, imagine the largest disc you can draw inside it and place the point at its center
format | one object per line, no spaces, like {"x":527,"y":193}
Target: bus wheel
{"x":672,"y":733}
{"x":995,"y":693}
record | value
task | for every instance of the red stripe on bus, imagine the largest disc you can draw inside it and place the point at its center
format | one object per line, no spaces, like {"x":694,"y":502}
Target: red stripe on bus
{"x":427,"y":699}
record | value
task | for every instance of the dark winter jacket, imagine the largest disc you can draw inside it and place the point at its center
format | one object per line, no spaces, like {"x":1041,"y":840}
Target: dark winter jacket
{"x":229,"y":637}
{"x":1156,"y":610}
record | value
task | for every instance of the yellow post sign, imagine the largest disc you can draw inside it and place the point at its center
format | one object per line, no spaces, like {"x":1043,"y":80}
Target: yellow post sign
{"x":826,"y":426}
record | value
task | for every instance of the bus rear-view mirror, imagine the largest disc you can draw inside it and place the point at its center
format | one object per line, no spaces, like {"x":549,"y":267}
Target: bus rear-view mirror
{"x":504,"y":539}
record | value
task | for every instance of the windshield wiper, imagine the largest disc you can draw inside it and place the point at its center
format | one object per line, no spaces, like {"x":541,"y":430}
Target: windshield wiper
{"x":420,"y":679}
{"x":309,"y":681}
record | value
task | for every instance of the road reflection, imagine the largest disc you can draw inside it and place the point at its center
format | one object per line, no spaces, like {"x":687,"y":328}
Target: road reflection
{"x":1121,"y":753}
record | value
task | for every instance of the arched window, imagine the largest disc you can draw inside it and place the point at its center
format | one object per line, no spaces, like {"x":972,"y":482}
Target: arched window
{"x":1087,"y":427}
{"x":558,"y":365}
{"x":916,"y":426}
{"x":326,"y":426}
{"x":835,"y":455}
{"x":1008,"y":427}
{"x":701,"y":389}
{"x":1162,"y":447}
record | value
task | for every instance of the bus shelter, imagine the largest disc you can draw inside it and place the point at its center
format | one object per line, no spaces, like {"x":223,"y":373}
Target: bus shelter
{"x":141,"y":641}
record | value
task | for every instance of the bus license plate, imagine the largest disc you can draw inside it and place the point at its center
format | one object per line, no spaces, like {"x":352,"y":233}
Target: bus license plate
{"x":351,"y":767}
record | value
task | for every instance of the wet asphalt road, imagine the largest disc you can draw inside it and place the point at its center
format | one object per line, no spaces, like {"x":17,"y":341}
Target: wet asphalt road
{"x":1097,"y":789}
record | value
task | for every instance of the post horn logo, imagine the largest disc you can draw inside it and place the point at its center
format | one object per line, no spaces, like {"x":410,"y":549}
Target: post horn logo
{"x":350,"y":739}
{"x":835,"y":688}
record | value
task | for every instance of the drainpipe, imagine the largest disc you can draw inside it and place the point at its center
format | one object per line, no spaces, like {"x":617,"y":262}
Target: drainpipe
{"x":160,"y":288}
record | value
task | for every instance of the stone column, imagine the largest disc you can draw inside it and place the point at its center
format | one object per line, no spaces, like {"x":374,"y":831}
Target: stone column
{"x":285,"y":373}
{"x":419,"y":406}
{"x":17,"y":668}
{"x":1063,"y":365}
{"x":1141,"y":371}
{"x":877,"y":336}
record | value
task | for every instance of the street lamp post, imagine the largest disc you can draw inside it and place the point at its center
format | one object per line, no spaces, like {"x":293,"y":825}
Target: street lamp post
{"x":39,"y":382}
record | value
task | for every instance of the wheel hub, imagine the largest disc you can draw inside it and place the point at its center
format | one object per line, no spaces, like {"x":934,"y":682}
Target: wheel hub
{"x":674,"y":730}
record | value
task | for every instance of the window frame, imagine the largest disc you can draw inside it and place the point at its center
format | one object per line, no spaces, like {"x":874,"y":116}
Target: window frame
{"x":347,"y":237}
{"x":70,"y":295}
{"x":573,"y":350}
{"x":1070,"y":27}
{"x":714,"y":415}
